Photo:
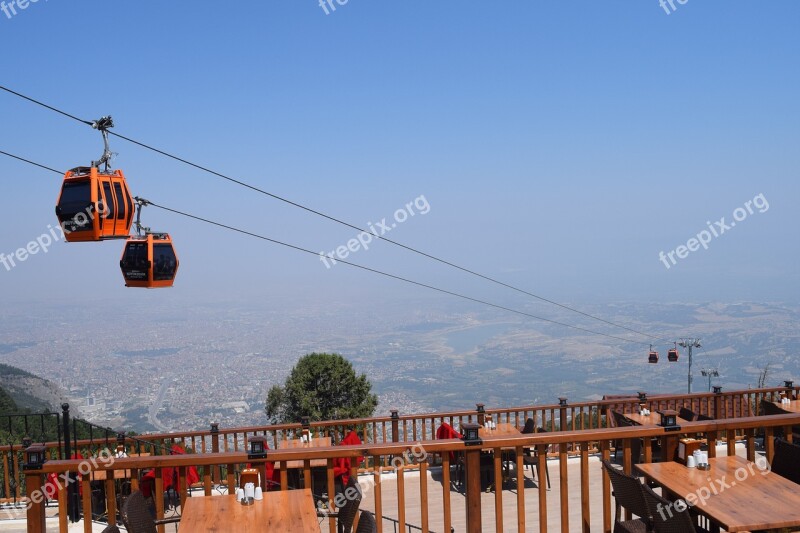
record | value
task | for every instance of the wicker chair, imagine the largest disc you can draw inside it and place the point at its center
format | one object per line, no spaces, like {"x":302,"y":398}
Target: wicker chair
{"x":531,"y":455}
{"x":346,"y":514}
{"x":786,"y":461}
{"x":636,"y":444}
{"x":111,"y":529}
{"x":665,"y":516}
{"x":366,"y":523}
{"x":137,"y":518}
{"x":628,"y":493}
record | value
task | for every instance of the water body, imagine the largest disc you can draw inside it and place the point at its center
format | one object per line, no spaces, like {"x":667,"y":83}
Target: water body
{"x":466,"y":340}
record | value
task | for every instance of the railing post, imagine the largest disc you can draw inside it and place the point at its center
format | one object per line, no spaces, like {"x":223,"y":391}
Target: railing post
{"x":215,"y":449}
{"x":718,"y":402}
{"x":562,"y":405}
{"x":34,"y":489}
{"x":472,"y":476}
{"x":73,"y":495}
{"x":789,"y":388}
{"x":481,"y":413}
{"x":395,"y":426}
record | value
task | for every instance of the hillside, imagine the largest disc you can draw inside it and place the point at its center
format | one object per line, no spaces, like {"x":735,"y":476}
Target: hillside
{"x":27,"y":391}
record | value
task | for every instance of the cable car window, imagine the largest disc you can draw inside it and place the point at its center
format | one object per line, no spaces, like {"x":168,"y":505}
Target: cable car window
{"x":74,"y":206}
{"x":108,"y":204}
{"x":120,"y":201}
{"x":164,"y":262}
{"x":76,"y":193}
{"x":134,"y":265}
{"x":129,"y":203}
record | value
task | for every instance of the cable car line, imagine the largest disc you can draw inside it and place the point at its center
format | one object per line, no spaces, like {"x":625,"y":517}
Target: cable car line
{"x":337,"y":220}
{"x":141,"y":202}
{"x":393,"y":276}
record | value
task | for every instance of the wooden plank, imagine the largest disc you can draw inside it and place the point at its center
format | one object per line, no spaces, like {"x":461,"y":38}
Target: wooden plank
{"x":111,"y":498}
{"x":63,"y":524}
{"x":564,"y":486}
{"x":331,"y":496}
{"x":605,"y":454}
{"x":34,"y":484}
{"x":585,"y":514}
{"x":378,"y":499}
{"x":498,"y":489}
{"x":473,"y":489}
{"x":157,"y":496}
{"x":446,"y":505}
{"x":423,"y":494}
{"x":401,"y":496}
{"x":521,"y":489}
{"x":86,"y":485}
{"x":541,"y":452}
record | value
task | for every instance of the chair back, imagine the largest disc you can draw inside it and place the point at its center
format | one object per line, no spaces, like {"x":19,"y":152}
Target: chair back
{"x":703,"y":418}
{"x":347,"y":513}
{"x":664,"y":514}
{"x":136,"y":516}
{"x":769,"y":408}
{"x":619,"y":419}
{"x":627,"y":491}
{"x":530,"y":426}
{"x":250,"y":475}
{"x":366,"y":523}
{"x":786,"y":461}
{"x":111,"y":529}
{"x":687,"y":414}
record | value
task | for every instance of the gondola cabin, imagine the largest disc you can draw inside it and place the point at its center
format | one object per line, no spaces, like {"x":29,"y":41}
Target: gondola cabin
{"x":672,"y":355}
{"x":94,"y":205}
{"x":653,"y":357}
{"x":149,"y":261}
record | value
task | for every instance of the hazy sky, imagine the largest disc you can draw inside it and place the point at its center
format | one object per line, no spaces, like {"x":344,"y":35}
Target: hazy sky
{"x":559,"y":146}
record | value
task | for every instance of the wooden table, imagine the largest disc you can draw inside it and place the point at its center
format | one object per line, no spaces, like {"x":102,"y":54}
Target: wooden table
{"x":502,"y":430}
{"x":744,"y":501}
{"x":297,"y":444}
{"x":102,"y":475}
{"x":289,"y":510}
{"x":793,"y":407}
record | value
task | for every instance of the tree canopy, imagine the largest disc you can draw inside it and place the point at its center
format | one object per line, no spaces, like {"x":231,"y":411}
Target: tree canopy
{"x":321,"y":386}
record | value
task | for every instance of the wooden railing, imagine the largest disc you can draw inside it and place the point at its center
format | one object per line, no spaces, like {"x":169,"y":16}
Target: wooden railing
{"x":415,"y":427}
{"x":422,"y":456}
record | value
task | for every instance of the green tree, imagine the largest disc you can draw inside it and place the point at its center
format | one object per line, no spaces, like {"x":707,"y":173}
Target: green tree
{"x":321,"y":386}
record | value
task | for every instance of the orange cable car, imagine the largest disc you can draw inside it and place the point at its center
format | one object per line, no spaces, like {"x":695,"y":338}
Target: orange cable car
{"x":653,"y":357}
{"x":672,"y":354}
{"x":95,"y":204}
{"x":148,"y":259}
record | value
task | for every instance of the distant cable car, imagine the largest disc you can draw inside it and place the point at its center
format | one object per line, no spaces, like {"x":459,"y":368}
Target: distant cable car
{"x":672,"y":354}
{"x":653,"y":357}
{"x":149,"y":259}
{"x":95,"y":204}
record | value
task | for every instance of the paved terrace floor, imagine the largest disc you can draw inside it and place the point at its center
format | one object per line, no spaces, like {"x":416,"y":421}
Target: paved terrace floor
{"x":457,"y":500}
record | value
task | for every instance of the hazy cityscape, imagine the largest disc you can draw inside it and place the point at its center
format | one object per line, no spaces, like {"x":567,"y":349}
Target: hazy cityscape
{"x":185,"y":367}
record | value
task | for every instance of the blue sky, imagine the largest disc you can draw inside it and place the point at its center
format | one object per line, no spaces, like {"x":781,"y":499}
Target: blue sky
{"x":561,"y":146}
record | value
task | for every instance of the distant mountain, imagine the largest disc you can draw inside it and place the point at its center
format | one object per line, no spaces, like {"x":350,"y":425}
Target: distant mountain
{"x":21,"y":390}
